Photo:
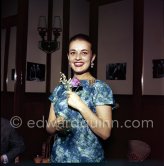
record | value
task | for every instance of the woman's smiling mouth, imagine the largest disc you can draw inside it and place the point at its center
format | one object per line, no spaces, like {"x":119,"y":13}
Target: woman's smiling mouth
{"x":78,"y":64}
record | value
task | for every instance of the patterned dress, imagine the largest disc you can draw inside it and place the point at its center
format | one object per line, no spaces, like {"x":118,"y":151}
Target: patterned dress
{"x":80,"y":144}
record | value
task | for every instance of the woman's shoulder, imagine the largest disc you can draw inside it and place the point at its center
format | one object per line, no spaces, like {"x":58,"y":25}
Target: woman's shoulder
{"x":100,"y":83}
{"x":103,"y":94}
{"x":55,"y":92}
{"x":58,"y":87}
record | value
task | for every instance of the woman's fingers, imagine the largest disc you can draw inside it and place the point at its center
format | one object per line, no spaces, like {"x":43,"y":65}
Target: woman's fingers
{"x":59,"y":123}
{"x":69,"y":92}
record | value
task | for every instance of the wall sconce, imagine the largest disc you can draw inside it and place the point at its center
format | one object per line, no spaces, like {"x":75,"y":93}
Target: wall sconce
{"x":52,"y":45}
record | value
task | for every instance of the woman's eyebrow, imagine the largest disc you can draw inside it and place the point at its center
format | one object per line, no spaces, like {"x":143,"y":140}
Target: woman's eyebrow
{"x":80,"y":50}
{"x":72,"y":50}
{"x":84,"y":50}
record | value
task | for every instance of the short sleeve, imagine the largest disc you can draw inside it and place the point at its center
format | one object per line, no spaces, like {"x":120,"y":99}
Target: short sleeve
{"x":54,"y":95}
{"x":103,"y":94}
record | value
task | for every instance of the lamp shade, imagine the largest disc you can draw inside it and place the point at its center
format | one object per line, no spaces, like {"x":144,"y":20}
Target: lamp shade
{"x":57,"y":22}
{"x":42,"y":22}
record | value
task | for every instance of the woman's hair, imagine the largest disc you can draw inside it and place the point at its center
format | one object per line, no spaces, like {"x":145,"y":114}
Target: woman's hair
{"x":84,"y":37}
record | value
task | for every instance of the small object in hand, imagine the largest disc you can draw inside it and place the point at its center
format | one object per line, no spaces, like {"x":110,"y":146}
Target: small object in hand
{"x":71,"y":84}
{"x":65,"y":128}
{"x":65,"y":82}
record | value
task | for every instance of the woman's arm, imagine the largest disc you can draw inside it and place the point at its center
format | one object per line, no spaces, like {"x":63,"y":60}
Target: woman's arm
{"x":50,"y":127}
{"x":100,"y":123}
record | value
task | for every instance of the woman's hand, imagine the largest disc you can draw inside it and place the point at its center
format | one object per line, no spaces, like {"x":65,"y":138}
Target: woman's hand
{"x":59,"y":123}
{"x":99,"y":122}
{"x":74,"y":100}
{"x":54,"y":123}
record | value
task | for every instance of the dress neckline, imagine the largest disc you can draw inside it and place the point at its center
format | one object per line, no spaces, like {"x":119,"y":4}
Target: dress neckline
{"x":90,"y":82}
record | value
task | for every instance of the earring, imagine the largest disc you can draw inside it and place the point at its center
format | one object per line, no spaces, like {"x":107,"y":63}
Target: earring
{"x":92,"y":64}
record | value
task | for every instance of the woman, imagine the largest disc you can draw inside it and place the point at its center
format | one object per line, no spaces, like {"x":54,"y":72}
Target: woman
{"x":87,"y":108}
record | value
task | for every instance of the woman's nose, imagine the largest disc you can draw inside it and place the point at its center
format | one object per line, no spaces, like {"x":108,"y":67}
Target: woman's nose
{"x":78,"y":56}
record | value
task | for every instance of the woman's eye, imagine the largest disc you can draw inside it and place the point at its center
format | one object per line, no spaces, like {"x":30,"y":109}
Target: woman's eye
{"x":72,"y":53}
{"x":84,"y":53}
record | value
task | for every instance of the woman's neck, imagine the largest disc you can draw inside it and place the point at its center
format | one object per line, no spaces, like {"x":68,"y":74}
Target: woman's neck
{"x":84,"y":76}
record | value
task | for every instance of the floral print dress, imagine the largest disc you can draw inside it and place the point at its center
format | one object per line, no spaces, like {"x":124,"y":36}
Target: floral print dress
{"x":80,"y":144}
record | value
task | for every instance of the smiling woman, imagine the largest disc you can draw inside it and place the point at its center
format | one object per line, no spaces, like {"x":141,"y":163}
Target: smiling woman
{"x":80,"y":55}
{"x":88,"y":110}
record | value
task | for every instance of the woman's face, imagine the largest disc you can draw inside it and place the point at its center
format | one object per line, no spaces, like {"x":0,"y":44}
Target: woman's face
{"x":80,"y":56}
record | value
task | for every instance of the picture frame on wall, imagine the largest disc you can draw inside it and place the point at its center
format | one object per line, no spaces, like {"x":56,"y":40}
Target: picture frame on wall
{"x":116,"y":71}
{"x":35,"y":72}
{"x":153,"y":77}
{"x":158,"y":68}
{"x":35,"y":77}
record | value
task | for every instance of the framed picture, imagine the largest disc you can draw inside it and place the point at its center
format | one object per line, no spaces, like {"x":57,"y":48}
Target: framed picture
{"x":153,"y":77}
{"x":116,"y":71}
{"x":35,"y":72}
{"x":158,"y":68}
{"x":35,"y":78}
